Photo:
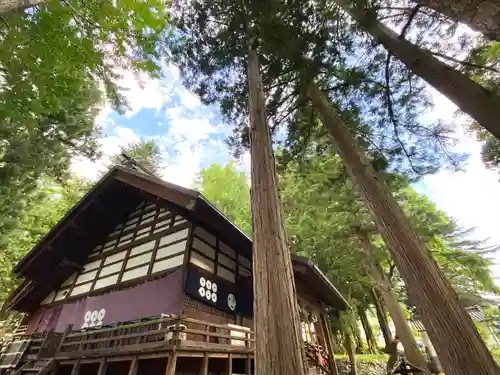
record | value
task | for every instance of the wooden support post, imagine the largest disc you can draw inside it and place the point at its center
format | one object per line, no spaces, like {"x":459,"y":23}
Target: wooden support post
{"x":83,"y":338}
{"x":76,"y":368}
{"x":204,"y":364}
{"x":43,"y":352}
{"x":248,"y":365}
{"x":66,"y":332}
{"x":134,"y":365}
{"x":230,"y":364}
{"x":329,"y":343}
{"x":103,"y":367}
{"x":171,"y":364}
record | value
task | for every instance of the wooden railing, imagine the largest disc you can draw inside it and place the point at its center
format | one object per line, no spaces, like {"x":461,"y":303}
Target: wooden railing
{"x":20,"y":331}
{"x":165,"y":332}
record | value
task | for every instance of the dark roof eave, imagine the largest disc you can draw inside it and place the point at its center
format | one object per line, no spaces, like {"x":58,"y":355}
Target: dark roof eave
{"x":332,"y":287}
{"x":20,"y":266}
{"x":312,"y":266}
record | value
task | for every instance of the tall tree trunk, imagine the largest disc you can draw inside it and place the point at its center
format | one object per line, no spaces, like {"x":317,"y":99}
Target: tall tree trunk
{"x":382,"y":318}
{"x":12,"y":5}
{"x":370,"y":337}
{"x":278,"y":342}
{"x":459,"y":345}
{"x":390,"y":299}
{"x":357,"y":337}
{"x":480,"y":15}
{"x":435,"y":365}
{"x":481,"y":104}
{"x":351,"y":353}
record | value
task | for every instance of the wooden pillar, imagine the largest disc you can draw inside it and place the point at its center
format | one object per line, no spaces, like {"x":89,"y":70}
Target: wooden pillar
{"x":44,"y":351}
{"x":230,"y":364}
{"x":76,"y":368}
{"x":329,"y":344}
{"x":171,"y":364}
{"x":103,"y":367}
{"x":133,"y":366}
{"x":248,"y":365}
{"x":204,"y":364}
{"x":67,"y":331}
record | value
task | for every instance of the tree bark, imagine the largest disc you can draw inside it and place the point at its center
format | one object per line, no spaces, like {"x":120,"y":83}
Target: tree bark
{"x":481,"y":104}
{"x":390,"y":299}
{"x":278,"y":340}
{"x":351,"y":353}
{"x":382,"y":318}
{"x":435,"y":365}
{"x":459,"y":345}
{"x":12,"y":5}
{"x":370,"y":337}
{"x":480,"y":15}
{"x":357,"y":338}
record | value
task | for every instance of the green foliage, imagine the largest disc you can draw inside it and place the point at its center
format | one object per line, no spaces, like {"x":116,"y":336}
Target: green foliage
{"x":486,"y":54}
{"x":299,"y":42}
{"x":55,"y":59}
{"x":146,"y":153}
{"x":323,"y":213}
{"x":44,"y":207}
{"x":228,"y":190}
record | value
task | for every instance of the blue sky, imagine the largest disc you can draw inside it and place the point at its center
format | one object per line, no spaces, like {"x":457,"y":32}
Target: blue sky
{"x":191,"y":137}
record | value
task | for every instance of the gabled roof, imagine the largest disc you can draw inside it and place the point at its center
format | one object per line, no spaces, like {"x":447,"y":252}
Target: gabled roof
{"x":66,"y":246}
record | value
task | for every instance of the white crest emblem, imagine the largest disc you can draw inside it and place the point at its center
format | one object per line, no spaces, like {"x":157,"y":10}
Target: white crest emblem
{"x":231,"y":301}
{"x":93,"y":318}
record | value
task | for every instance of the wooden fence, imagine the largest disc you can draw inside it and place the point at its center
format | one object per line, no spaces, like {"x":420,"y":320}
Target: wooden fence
{"x":163,"y":332}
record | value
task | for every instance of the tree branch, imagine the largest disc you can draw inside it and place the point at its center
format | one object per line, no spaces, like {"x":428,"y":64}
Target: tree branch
{"x":390,"y":107}
{"x":464,"y":63}
{"x":411,"y":17}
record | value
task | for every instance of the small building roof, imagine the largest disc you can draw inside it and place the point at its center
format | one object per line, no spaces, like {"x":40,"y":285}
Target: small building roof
{"x":65,"y":248}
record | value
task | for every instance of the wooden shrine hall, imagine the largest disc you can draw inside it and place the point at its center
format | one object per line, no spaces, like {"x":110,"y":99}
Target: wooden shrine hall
{"x":145,"y":277}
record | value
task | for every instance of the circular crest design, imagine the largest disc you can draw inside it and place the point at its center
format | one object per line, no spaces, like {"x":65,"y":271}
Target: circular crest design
{"x":201,"y":291}
{"x":208,"y":290}
{"x":101,"y":313}
{"x":231,"y":301}
{"x":93,"y":318}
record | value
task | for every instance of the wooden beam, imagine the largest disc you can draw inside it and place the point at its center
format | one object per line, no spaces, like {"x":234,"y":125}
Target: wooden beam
{"x":229,"y":370}
{"x":248,"y":365}
{"x":157,"y":189}
{"x":134,"y":365}
{"x":67,"y":331}
{"x":76,"y":368}
{"x":103,"y":367}
{"x":171,"y":364}
{"x":204,"y":364}
{"x":330,"y":346}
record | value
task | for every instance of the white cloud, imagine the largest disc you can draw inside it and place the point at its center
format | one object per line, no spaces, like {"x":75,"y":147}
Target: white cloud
{"x":192,"y":128}
{"x":109,"y":146}
{"x":183,"y":169}
{"x":143,"y":92}
{"x":185,"y":146}
{"x":189,"y":100}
